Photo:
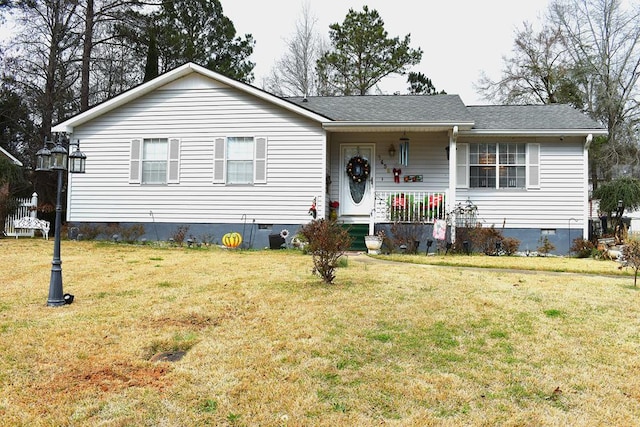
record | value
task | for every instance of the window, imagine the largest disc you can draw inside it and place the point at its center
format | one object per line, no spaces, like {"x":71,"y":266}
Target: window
{"x":240,"y":160}
{"x":154,"y":161}
{"x":501,"y":165}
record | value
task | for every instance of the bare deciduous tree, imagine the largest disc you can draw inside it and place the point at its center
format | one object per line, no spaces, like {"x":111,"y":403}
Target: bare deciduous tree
{"x":588,"y":55}
{"x":603,"y":39}
{"x":538,"y":72}
{"x":294,"y":73}
{"x":43,"y":58}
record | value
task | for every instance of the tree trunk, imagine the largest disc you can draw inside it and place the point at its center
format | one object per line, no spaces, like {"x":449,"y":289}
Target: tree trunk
{"x":86,"y":56}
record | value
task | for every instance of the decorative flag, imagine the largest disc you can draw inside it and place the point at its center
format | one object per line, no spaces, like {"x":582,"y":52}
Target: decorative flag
{"x":440,"y":229}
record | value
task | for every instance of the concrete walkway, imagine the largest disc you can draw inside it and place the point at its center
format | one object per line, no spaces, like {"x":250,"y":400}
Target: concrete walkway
{"x":363,"y":257}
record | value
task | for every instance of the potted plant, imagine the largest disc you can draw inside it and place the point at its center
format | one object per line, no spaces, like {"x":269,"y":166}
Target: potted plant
{"x":333,"y":209}
{"x":374,"y":242}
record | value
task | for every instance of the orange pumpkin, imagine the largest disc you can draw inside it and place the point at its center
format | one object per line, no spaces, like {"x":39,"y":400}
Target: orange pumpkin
{"x":232,"y":240}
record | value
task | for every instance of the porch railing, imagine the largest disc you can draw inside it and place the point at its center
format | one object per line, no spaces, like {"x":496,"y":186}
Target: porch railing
{"x":409,"y":206}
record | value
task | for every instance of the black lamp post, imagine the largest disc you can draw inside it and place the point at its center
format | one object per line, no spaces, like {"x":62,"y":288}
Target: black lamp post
{"x":57,"y":159}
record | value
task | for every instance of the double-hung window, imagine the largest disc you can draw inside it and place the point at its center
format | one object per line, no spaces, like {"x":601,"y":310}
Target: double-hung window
{"x":154,"y":161}
{"x":240,"y":160}
{"x":498,"y":165}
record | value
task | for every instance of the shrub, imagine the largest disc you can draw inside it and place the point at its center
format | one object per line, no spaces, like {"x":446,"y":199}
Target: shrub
{"x":486,"y":239}
{"x":179,"y":234}
{"x":583,"y":248}
{"x":132,"y":233}
{"x":463,"y":234}
{"x":127,"y":234}
{"x":510,"y":245}
{"x":327,"y":243}
{"x":545,"y":246}
{"x":90,"y":232}
{"x":407,"y":235}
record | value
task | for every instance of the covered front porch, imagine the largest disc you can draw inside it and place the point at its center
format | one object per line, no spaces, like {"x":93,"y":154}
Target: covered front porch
{"x":389,"y":177}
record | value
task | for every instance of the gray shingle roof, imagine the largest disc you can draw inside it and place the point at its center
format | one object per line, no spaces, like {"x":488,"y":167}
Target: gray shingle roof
{"x":388,"y":108}
{"x":534,"y":117}
{"x":445,"y":109}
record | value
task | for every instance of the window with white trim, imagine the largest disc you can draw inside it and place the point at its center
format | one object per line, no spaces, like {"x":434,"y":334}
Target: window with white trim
{"x":155,"y":161}
{"x":498,"y":165}
{"x":240,"y":160}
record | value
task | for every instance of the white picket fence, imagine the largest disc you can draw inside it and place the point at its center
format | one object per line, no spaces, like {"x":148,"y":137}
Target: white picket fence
{"x":27,"y":207}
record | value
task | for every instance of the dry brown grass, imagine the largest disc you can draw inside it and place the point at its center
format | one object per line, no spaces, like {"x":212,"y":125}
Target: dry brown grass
{"x":268,"y":344}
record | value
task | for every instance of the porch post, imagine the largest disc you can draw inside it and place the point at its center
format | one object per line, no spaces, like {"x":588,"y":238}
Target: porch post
{"x":586,"y":215}
{"x":372,"y":225}
{"x":451,"y":193}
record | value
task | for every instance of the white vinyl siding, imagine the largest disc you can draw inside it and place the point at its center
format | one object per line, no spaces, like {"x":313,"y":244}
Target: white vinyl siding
{"x":200,"y":114}
{"x":556,"y":198}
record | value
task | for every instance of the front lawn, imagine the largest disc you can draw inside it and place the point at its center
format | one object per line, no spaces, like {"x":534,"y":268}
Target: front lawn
{"x":266,"y":343}
{"x":533,"y":263}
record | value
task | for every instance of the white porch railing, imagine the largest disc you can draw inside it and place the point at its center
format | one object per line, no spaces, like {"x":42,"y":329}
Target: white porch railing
{"x":409,"y":206}
{"x":26,"y":207}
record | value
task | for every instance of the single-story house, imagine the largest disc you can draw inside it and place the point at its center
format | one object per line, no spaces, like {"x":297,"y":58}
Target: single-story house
{"x":198,"y":149}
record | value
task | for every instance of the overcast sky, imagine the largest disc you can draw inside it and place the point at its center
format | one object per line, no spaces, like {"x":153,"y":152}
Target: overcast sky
{"x":460,"y":38}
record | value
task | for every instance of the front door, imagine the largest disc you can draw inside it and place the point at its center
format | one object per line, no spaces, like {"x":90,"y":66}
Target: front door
{"x":356,"y":179}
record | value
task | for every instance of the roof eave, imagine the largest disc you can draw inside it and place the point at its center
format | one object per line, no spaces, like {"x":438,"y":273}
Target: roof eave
{"x":68,"y":125}
{"x":11,"y":157}
{"x":355,"y":126}
{"x":533,"y":132}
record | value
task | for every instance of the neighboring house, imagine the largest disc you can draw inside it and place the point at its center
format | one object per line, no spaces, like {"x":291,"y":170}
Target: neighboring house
{"x":8,"y":155}
{"x":198,"y":149}
{"x":4,"y":188}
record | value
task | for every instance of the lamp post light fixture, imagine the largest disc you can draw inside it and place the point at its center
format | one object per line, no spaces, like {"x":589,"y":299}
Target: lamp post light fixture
{"x":57,"y":159}
{"x":429,"y":244}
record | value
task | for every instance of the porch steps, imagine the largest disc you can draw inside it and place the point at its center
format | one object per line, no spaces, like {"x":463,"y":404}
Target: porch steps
{"x":357,"y":233}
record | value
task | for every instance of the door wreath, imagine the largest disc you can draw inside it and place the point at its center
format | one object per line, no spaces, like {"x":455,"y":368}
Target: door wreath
{"x":358,"y":169}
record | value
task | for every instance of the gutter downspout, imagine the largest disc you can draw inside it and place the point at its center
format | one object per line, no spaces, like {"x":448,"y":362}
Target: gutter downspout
{"x":585,"y":214}
{"x":453,"y":183}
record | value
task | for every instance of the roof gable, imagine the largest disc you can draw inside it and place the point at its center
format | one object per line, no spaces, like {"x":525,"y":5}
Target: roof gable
{"x":172,"y":77}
